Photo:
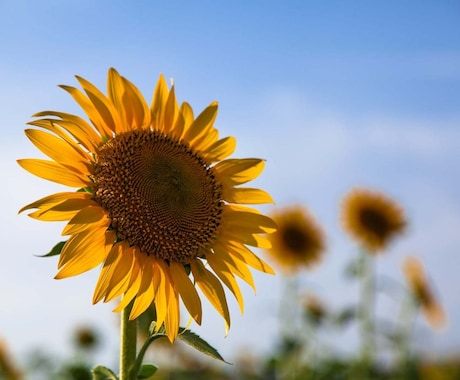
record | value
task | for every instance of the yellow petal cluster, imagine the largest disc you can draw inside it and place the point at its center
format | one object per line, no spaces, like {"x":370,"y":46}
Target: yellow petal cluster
{"x":101,"y":235}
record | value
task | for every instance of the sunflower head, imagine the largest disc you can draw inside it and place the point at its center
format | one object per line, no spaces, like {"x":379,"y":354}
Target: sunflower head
{"x":86,"y":338}
{"x":314,"y":308}
{"x":298,"y":242}
{"x":372,"y":218}
{"x":422,"y":292}
{"x":160,"y":205}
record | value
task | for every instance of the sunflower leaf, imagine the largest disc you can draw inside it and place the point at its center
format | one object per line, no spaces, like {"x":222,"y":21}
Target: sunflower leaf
{"x":56,"y":250}
{"x":199,"y":344}
{"x":146,"y":371}
{"x":103,"y":373}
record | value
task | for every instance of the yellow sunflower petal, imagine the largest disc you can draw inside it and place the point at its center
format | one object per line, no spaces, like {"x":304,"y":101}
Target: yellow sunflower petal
{"x":160,"y":96}
{"x":187,"y":112}
{"x":62,"y":147}
{"x":82,"y":252}
{"x":248,"y":222}
{"x":111,"y":266}
{"x":173,"y":316}
{"x":186,"y":290}
{"x":238,"y":171}
{"x":119,"y":280}
{"x":80,"y":243}
{"x":52,"y":171}
{"x":170,"y":111}
{"x":116,"y":93}
{"x":52,"y":216}
{"x":225,"y":274}
{"x":69,"y":132}
{"x":76,"y":126}
{"x":146,"y":293}
{"x":62,"y":211}
{"x":179,"y":125}
{"x":161,"y":295}
{"x":167,"y":301}
{"x":104,"y":107}
{"x":88,"y":217}
{"x":237,"y":266}
{"x":244,"y":254}
{"x":202,"y":123}
{"x":212,"y":289}
{"x":245,"y":237}
{"x":54,"y":199}
{"x":90,"y":110}
{"x":135,"y":102}
{"x":246,"y":195}
{"x":202,"y":142}
{"x":133,"y":287}
{"x":220,"y":149}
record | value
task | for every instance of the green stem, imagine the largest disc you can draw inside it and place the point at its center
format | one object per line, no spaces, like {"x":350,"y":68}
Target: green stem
{"x":288,"y":314}
{"x":367,"y":313}
{"x":128,"y":337}
{"x":408,"y":314}
{"x":288,"y":311}
{"x":140,"y":357}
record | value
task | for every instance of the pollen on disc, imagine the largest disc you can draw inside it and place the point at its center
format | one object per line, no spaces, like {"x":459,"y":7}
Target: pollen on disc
{"x":161,"y":195}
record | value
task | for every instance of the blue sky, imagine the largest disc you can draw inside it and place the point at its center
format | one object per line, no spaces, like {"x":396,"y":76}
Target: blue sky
{"x":333,"y":94}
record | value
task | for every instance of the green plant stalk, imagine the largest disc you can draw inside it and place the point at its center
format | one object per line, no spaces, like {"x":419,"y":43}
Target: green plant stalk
{"x":128,"y":337}
{"x":288,"y":308}
{"x":367,"y":312}
{"x":289,"y":329}
{"x":408,"y":315}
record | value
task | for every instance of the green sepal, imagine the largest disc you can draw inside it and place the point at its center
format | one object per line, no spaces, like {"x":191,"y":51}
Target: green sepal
{"x":103,"y":373}
{"x":56,"y":250}
{"x":161,"y":331}
{"x":146,"y":371}
{"x":199,"y":344}
{"x":85,"y":190}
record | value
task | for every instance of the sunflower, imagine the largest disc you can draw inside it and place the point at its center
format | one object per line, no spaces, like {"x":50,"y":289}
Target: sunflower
{"x":314,"y":308}
{"x":418,"y":284}
{"x":298,"y":241}
{"x":158,"y":204}
{"x":372,"y":218}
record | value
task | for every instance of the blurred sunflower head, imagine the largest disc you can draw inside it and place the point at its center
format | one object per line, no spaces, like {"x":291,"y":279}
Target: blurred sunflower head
{"x":314,"y":308}
{"x":86,"y":338}
{"x":298,"y":242}
{"x":372,"y":218}
{"x":159,"y":204}
{"x":421,"y":290}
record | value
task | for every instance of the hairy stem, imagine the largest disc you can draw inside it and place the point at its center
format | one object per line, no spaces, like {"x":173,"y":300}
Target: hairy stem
{"x":128,"y":337}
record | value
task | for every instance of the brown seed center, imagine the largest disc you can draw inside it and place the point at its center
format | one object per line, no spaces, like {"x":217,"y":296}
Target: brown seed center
{"x":296,"y":239}
{"x":161,"y":195}
{"x":375,"y":222}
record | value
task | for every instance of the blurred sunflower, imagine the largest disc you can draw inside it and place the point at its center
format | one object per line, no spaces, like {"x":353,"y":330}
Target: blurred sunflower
{"x":86,"y":338}
{"x":298,"y":241}
{"x":372,"y":218}
{"x":314,"y":308}
{"x":418,"y":284}
{"x":157,"y":200}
